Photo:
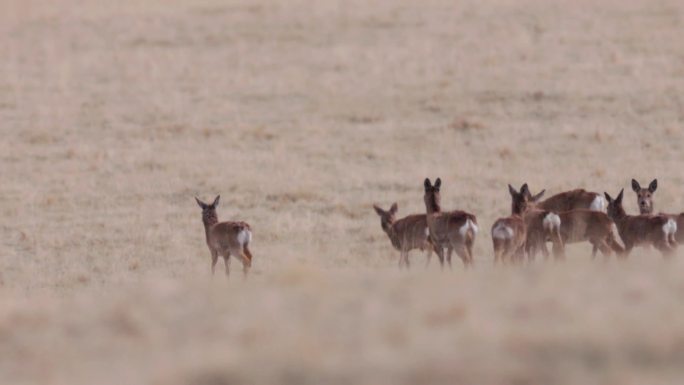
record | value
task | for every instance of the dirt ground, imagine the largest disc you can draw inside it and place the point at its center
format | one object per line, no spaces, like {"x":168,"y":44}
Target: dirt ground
{"x":302,"y":114}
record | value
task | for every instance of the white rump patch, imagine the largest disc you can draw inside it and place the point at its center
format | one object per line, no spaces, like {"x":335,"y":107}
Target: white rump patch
{"x":427,"y":231}
{"x":670,"y":227}
{"x":598,"y":204}
{"x":551,"y":221}
{"x":244,"y":237}
{"x":502,"y":231}
{"x":466,"y":226}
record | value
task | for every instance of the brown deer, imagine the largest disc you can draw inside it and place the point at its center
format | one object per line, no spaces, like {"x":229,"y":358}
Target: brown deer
{"x":454,"y":230}
{"x":581,"y":225}
{"x":509,"y":233}
{"x":526,"y":230}
{"x":406,"y":234}
{"x":635,"y":230}
{"x":540,"y":225}
{"x":645,"y":203}
{"x":573,"y":200}
{"x":226,"y":238}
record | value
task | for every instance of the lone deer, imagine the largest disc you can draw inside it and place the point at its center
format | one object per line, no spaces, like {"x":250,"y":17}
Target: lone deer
{"x":526,"y":230}
{"x":582,"y":225}
{"x":645,"y":203}
{"x":226,"y":238}
{"x":406,"y":234}
{"x":636,"y":230}
{"x":454,"y":230}
{"x":573,"y":200}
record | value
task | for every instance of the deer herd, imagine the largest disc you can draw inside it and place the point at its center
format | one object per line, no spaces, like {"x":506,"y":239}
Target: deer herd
{"x":565,"y":218}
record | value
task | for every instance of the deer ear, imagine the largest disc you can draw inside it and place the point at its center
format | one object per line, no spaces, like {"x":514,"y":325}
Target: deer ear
{"x":538,"y":196}
{"x":438,"y":183}
{"x":635,"y":186}
{"x":653,"y":186}
{"x":394,"y":208}
{"x":524,"y":189}
{"x":427,"y":183}
{"x":608,"y":198}
{"x":378,"y":210}
{"x":216,"y":201}
{"x":619,"y":197}
{"x":512,"y":191}
{"x":200,"y":203}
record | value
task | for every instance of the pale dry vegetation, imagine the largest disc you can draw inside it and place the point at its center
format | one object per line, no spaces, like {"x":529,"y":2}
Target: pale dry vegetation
{"x":302,"y":114}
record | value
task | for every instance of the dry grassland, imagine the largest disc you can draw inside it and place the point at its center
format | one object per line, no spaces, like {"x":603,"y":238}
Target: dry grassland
{"x":302,"y":114}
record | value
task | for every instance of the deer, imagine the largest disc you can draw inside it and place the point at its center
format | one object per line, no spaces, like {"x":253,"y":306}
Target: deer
{"x":645,"y":203}
{"x":226,"y":238}
{"x":453,"y":230}
{"x":526,"y":229}
{"x":581,"y":225}
{"x":406,"y":234}
{"x":637,"y":230}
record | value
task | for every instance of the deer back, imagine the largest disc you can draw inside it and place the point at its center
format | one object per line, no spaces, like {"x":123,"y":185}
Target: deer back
{"x":573,"y":200}
{"x":229,"y":235}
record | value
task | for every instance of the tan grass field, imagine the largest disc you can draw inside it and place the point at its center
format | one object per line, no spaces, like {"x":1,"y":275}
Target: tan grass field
{"x":302,"y":114}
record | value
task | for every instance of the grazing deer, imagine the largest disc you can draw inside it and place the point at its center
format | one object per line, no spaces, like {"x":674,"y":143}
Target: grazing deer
{"x":226,"y":238}
{"x":573,"y":200}
{"x":454,"y":230}
{"x":636,"y":230}
{"x":645,"y":203}
{"x":406,"y":234}
{"x":580,"y":225}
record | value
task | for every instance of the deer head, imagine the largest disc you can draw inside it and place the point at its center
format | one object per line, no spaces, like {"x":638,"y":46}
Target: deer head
{"x":209,"y":211}
{"x":388,"y":217}
{"x":432,"y":198}
{"x":615,"y":210}
{"x":645,"y":196}
{"x":522,"y":200}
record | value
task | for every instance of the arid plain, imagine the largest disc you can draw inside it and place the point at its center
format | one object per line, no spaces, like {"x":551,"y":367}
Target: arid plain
{"x":302,"y":114}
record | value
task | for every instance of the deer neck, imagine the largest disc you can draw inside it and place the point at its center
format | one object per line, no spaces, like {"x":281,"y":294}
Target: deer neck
{"x":432,"y":206}
{"x":619,"y":217}
{"x":209,"y":220}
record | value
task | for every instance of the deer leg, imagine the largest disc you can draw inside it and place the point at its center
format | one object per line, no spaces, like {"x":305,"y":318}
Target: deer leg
{"x":544,"y":249}
{"x":664,"y":249}
{"x":248,"y":253}
{"x":246,"y":261}
{"x":520,"y":253}
{"x":226,"y":260}
{"x":429,"y":256}
{"x":462,"y":252}
{"x":440,"y":255}
{"x":450,"y":249}
{"x":604,"y":247}
{"x":214,"y":259}
{"x":497,"y":251}
{"x":628,"y":248}
{"x":469,"y":249}
{"x":403,"y":259}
